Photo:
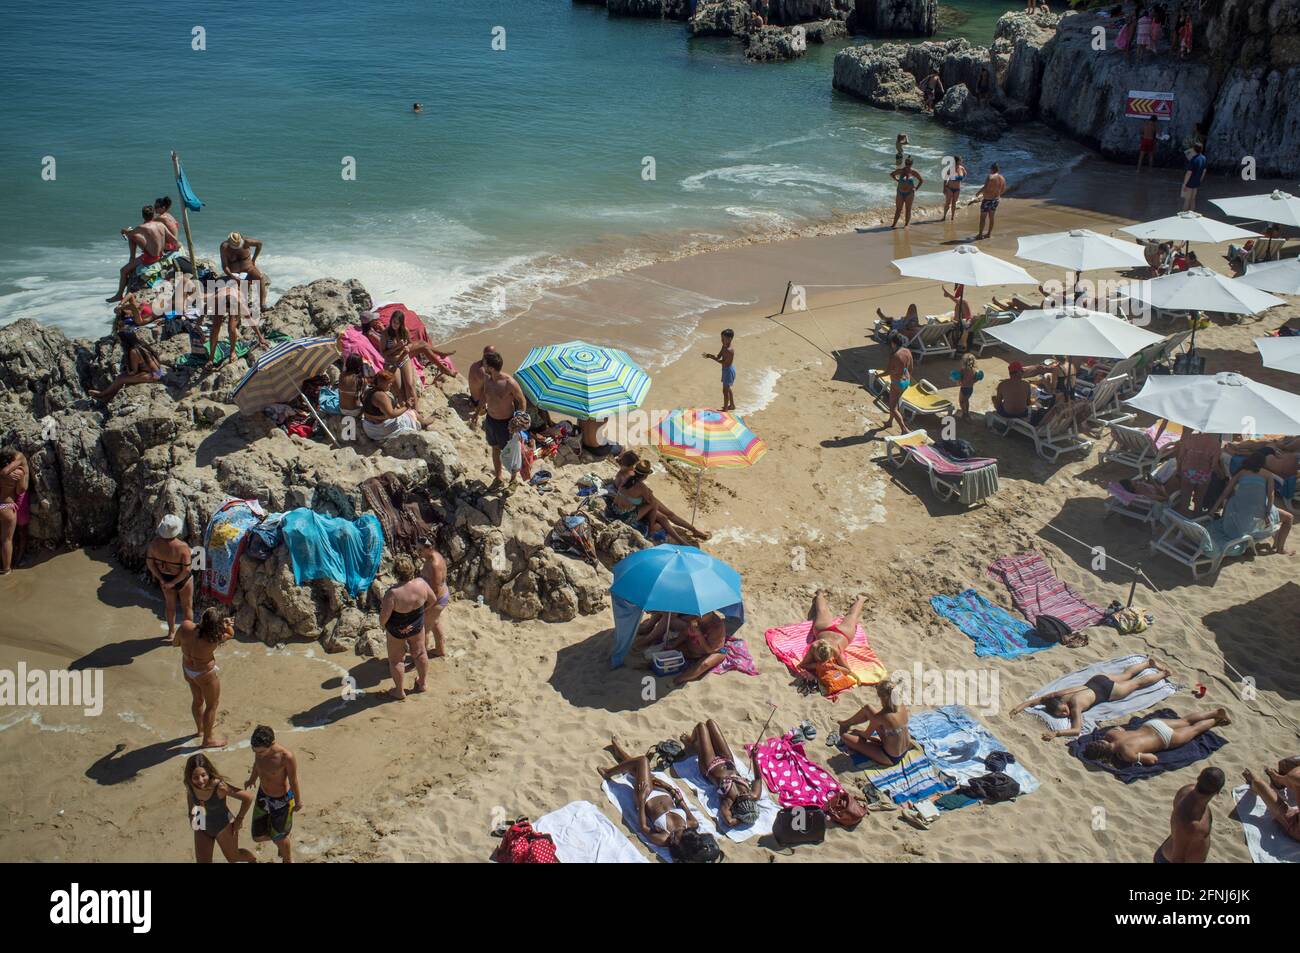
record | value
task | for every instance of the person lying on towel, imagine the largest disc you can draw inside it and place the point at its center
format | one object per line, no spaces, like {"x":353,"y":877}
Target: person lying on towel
{"x":663,"y":815}
{"x":1285,"y":778}
{"x":737,"y":797}
{"x":1119,"y":746}
{"x":1073,"y":702}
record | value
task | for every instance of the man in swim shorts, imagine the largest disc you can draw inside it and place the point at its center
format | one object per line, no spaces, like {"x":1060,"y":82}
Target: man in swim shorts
{"x":502,"y":396}
{"x":1013,"y":397}
{"x":899,"y":370}
{"x":1191,"y":821}
{"x":726,"y":357}
{"x":990,"y":194}
{"x":1120,"y":746}
{"x":279,"y":795}
{"x":147,"y":242}
{"x":1147,"y":147}
{"x":15,"y":507}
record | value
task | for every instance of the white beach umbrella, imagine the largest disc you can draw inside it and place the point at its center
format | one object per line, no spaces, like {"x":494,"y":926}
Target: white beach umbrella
{"x":1277,"y":206}
{"x":1074,"y":332}
{"x":1280,"y":277}
{"x":1220,"y":403}
{"x":1080,"y":249}
{"x":1188,"y":227}
{"x":965,"y":265}
{"x":1281,"y":354}
{"x":1200,"y":289}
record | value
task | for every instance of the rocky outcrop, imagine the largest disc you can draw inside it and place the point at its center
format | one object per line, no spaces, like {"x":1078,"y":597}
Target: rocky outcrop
{"x":775,"y":43}
{"x":790,"y":12}
{"x":895,"y":17}
{"x":720,"y":18}
{"x":656,"y":9}
{"x":963,"y":111}
{"x":1017,"y":51}
{"x":107,"y":475}
{"x":887,"y":76}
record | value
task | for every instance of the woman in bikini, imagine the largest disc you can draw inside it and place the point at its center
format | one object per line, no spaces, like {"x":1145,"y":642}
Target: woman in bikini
{"x":401,"y":613}
{"x":908,"y":180}
{"x":399,"y":348}
{"x":198,"y":645}
{"x":888,"y":723}
{"x":205,"y":797}
{"x":952,"y":187}
{"x":663,"y":816}
{"x":352,"y":386}
{"x":635,"y":504}
{"x":737,"y":795}
{"x":140,"y":365}
{"x":1198,"y":457}
{"x":167,"y":559}
{"x":701,"y":641}
{"x":434,"y":572}
{"x":1073,"y":702}
{"x":827,"y":640}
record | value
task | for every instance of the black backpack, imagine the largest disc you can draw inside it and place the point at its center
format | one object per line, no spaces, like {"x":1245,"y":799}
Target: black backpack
{"x":957,"y":449}
{"x":992,"y":788}
{"x":1052,"y":629}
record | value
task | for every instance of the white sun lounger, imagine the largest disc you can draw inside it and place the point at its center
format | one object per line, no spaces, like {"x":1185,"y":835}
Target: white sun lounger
{"x":1200,"y":547}
{"x":1135,"y":447}
{"x":931,"y":340}
{"x":1050,"y":439}
{"x":965,"y":481}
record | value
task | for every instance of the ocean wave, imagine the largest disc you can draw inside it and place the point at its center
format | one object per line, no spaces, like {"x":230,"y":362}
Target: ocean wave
{"x":777,"y":180}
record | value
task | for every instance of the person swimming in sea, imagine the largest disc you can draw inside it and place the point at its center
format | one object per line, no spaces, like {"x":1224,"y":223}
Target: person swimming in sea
{"x":417,"y":107}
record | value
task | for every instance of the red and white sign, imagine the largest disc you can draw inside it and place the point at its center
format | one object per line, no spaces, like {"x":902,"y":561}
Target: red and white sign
{"x":1144,"y":105}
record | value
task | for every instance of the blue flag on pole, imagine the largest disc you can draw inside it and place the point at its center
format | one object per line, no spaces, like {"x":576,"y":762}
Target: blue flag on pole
{"x":191,"y":200}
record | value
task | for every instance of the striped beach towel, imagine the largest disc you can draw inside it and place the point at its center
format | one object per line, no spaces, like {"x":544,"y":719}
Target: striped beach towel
{"x":993,"y":629}
{"x":915,"y":778}
{"x":790,"y":642}
{"x":1036,"y":591}
{"x":958,"y":745}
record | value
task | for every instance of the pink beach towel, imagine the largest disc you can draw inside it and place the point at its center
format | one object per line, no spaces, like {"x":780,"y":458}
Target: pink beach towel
{"x":1036,"y":591}
{"x":791,"y":776}
{"x":416,"y":328}
{"x":790,"y":642}
{"x":354,"y":342}
{"x":737,"y":658}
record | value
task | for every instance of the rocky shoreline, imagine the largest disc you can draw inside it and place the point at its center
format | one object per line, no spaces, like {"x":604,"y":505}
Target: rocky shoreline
{"x":108,"y":475}
{"x":1065,"y":72}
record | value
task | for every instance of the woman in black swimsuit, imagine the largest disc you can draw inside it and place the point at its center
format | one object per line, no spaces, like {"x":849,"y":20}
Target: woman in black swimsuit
{"x":1073,"y":702}
{"x":402,"y":615}
{"x":205,"y":795}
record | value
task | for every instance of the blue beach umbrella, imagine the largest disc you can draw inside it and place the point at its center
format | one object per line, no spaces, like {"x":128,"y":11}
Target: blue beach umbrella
{"x":679,"y":579}
{"x":582,"y":380}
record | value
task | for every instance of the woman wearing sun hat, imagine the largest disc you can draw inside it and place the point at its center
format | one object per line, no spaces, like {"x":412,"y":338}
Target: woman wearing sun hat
{"x":168,"y":561}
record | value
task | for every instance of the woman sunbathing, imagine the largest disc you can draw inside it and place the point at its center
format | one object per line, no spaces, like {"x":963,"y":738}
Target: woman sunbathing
{"x":635,"y":504}
{"x":888,"y":723}
{"x":1073,"y":702}
{"x":824,"y":660}
{"x":1120,"y":746}
{"x":907,"y":325}
{"x":737,"y":797}
{"x":140,"y":365}
{"x":662,"y":813}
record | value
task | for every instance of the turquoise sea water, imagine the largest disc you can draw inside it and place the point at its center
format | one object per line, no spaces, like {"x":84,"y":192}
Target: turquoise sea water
{"x":525,"y":169}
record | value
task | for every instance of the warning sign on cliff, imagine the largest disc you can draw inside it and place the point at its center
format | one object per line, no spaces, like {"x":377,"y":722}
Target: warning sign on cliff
{"x":1144,"y":105}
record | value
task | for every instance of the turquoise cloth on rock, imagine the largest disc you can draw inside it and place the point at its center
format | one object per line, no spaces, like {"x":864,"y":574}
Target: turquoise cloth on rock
{"x":327,"y":547}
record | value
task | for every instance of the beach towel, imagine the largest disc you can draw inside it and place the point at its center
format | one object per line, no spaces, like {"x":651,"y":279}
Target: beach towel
{"x":224,"y":540}
{"x":1267,"y":842}
{"x":355,"y":342}
{"x":416,"y":328}
{"x":993,"y":630}
{"x":689,"y":773}
{"x":583,"y":835}
{"x":1170,"y":760}
{"x":1036,"y":591}
{"x":623,"y":796}
{"x":196,"y":359}
{"x":915,"y":778}
{"x":958,"y":745}
{"x":790,"y":642}
{"x":1106,"y":711}
{"x":791,"y":776}
{"x":737,"y":658}
{"x":326,"y":547}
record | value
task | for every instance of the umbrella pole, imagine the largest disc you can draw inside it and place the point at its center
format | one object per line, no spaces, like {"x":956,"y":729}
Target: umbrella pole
{"x":316,"y":415}
{"x":699,"y":475}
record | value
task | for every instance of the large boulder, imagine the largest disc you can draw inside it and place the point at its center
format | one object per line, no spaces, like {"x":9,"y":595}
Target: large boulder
{"x":720,"y":18}
{"x":773,"y":43}
{"x":657,"y":9}
{"x":895,"y":17}
{"x":961,"y":110}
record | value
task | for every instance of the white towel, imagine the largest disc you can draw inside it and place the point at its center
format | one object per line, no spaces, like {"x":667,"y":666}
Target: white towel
{"x":689,"y":773}
{"x":1107,"y":711}
{"x":583,"y":835}
{"x":622,"y":795}
{"x":1265,"y":839}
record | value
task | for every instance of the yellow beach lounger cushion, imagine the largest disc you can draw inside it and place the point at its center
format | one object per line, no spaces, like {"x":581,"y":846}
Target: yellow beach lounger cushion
{"x":921,"y":398}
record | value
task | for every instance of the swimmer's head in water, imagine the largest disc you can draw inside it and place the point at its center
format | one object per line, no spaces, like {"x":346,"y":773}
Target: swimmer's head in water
{"x":417,"y":107}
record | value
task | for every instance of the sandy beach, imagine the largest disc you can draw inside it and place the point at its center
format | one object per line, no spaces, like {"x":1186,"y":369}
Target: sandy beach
{"x":517,"y":716}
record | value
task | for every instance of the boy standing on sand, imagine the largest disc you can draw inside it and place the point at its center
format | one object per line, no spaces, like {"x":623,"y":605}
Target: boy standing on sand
{"x":726,"y":357}
{"x":276,"y":771}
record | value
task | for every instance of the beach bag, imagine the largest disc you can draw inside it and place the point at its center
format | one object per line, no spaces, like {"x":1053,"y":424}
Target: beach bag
{"x":522,"y":845}
{"x":795,"y":826}
{"x":957,"y":449}
{"x":992,"y":788}
{"x":845,"y":809}
{"x":571,"y":536}
{"x":1052,"y":629}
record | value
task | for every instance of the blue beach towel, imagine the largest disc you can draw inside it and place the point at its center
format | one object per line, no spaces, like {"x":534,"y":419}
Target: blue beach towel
{"x":1200,"y":747}
{"x":993,"y":630}
{"x":958,"y":745}
{"x":326,"y":547}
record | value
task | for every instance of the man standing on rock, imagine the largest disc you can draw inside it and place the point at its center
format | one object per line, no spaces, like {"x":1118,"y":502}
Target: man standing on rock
{"x":474,"y":378}
{"x":1193,"y":177}
{"x":990,"y":194}
{"x":502,"y":397}
{"x":239,"y":260}
{"x":168,"y":561}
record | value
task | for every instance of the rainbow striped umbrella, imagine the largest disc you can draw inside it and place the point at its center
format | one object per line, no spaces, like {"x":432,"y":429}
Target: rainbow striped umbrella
{"x":582,"y":380}
{"x":709,"y":439}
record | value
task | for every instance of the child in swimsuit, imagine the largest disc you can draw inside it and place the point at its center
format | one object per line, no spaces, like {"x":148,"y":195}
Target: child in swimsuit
{"x":967,"y":378}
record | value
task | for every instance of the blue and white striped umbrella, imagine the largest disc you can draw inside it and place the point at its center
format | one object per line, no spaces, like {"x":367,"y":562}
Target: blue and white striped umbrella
{"x":582,"y":380}
{"x":276,"y":377}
